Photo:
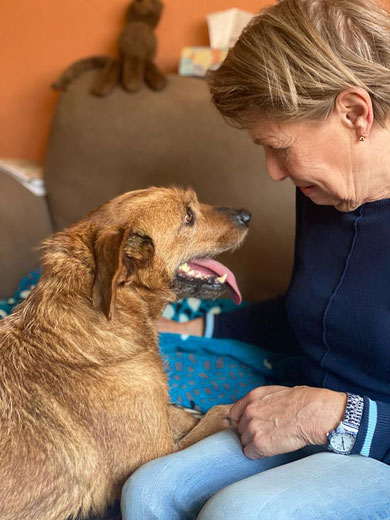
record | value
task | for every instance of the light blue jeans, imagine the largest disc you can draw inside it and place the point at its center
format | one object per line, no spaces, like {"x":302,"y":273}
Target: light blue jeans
{"x":213,"y":480}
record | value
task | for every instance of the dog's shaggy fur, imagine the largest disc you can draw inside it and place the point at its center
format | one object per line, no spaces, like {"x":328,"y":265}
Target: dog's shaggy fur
{"x":83,"y":392}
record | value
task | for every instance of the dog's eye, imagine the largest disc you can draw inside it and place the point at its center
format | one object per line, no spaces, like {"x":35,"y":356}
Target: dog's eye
{"x":189,"y":218}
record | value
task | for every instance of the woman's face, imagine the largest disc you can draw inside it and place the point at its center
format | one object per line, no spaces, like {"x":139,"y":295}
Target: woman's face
{"x":324,"y":159}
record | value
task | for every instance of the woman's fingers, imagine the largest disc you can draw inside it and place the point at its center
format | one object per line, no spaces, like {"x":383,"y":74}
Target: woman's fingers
{"x":254,"y":396}
{"x":238,"y":408}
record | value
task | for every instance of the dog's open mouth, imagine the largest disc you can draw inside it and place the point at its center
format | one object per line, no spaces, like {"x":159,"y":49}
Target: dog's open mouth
{"x":206,"y":278}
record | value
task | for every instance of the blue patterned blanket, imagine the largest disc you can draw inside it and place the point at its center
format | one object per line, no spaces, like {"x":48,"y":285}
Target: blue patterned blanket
{"x":202,"y":372}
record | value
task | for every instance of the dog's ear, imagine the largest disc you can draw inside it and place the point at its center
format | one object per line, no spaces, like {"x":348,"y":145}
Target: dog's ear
{"x":118,"y":255}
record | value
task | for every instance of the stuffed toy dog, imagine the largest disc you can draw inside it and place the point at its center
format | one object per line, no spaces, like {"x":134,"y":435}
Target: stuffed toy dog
{"x":137,"y":49}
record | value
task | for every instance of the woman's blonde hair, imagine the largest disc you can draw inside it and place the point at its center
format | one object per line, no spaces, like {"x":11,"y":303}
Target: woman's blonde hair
{"x":295,"y":57}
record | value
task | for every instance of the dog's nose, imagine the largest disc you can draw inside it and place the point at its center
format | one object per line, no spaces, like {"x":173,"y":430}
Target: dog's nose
{"x":243,"y":217}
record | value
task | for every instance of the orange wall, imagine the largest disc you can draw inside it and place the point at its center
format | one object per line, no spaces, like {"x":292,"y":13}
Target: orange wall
{"x":39,"y":38}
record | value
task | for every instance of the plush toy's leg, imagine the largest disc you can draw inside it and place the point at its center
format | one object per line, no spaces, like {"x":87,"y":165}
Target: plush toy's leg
{"x":132,"y":73}
{"x":154,"y":77}
{"x":107,"y":78}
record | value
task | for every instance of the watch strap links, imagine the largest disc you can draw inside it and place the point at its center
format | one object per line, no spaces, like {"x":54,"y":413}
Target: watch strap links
{"x":353,"y":412}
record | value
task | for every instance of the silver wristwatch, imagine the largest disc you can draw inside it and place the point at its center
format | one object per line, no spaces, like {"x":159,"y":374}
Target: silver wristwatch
{"x":342,"y":439}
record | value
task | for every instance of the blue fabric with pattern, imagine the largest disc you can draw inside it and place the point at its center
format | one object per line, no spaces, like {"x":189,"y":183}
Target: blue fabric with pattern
{"x":202,"y":372}
{"x":27,"y":283}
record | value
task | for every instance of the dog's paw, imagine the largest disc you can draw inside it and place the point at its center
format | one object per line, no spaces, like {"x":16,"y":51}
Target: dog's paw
{"x":219,"y":416}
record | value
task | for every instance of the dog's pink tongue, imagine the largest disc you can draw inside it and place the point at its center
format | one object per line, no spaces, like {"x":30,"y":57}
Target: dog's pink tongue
{"x":210,"y":266}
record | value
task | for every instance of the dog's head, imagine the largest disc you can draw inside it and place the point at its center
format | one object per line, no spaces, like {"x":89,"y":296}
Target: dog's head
{"x":163,"y":239}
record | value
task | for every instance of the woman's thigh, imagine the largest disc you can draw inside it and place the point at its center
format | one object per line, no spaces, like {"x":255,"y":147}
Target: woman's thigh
{"x":324,"y":486}
{"x":176,"y":487}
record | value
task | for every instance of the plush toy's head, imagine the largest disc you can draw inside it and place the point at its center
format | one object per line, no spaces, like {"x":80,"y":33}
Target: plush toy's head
{"x":148,"y":11}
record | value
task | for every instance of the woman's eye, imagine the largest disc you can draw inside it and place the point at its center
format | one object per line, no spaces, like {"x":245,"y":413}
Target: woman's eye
{"x":189,"y":218}
{"x":279,"y":152}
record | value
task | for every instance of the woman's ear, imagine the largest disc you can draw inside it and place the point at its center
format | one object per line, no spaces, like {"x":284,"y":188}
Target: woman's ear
{"x":118,"y":255}
{"x":354,"y":107}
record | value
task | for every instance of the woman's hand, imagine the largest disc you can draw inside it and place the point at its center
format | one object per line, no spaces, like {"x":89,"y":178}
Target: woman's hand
{"x":193,"y":327}
{"x":277,"y":419}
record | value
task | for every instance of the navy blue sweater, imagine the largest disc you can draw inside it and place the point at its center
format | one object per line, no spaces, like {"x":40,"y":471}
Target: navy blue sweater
{"x":336,"y":313}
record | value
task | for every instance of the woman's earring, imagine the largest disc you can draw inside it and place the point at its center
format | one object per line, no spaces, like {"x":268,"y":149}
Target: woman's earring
{"x":361,"y":138}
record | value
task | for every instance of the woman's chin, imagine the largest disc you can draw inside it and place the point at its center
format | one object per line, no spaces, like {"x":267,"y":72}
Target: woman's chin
{"x":346,"y":206}
{"x":321,"y":198}
{"x":326,"y":199}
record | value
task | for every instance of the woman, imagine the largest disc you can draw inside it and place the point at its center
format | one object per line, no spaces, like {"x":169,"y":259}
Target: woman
{"x":310,"y":81}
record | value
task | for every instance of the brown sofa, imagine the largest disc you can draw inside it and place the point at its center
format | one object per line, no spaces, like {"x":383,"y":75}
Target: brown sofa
{"x":100,"y":147}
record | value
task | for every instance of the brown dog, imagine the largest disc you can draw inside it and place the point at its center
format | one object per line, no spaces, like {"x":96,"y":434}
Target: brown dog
{"x":83,"y":391}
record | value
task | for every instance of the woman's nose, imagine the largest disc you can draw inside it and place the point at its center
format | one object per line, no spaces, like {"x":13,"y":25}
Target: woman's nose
{"x":275,"y":169}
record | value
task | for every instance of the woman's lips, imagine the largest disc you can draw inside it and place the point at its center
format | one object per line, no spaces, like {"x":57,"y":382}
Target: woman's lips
{"x":306,"y":189}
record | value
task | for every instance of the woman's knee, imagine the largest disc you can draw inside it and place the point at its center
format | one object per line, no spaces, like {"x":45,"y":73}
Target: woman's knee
{"x":227,"y":503}
{"x":148,"y":490}
{"x":158,"y":489}
{"x":132,"y":491}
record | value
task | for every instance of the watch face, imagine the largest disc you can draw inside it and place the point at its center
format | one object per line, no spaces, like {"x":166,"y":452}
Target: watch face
{"x":342,"y":442}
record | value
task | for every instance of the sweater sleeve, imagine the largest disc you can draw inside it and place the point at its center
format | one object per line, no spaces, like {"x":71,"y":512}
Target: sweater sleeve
{"x":264,"y":324}
{"x":373,"y":438}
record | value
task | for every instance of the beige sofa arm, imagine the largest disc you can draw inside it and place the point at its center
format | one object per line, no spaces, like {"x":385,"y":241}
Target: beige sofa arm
{"x":24,"y":222}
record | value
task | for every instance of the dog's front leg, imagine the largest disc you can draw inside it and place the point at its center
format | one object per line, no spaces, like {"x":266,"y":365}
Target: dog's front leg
{"x":216,"y":420}
{"x":181,"y":422}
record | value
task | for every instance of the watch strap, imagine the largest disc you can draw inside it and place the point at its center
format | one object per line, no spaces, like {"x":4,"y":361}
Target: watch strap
{"x":353,"y":412}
